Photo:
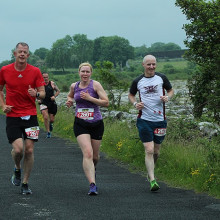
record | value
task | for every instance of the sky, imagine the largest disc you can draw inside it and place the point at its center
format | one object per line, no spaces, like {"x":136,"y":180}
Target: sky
{"x":40,"y":23}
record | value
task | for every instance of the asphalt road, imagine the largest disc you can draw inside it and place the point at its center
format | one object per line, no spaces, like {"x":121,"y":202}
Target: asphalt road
{"x":60,"y":189}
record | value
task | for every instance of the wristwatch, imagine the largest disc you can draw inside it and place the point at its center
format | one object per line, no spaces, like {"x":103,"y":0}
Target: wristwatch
{"x":134,"y":104}
{"x":37,"y":94}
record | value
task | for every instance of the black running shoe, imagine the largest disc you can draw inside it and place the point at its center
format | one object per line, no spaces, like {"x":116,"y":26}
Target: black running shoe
{"x":16,"y":178}
{"x":25,"y":190}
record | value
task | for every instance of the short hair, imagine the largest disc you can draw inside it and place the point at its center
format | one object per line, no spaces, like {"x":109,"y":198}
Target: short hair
{"x":85,"y":64}
{"x":149,"y":57}
{"x":22,"y":44}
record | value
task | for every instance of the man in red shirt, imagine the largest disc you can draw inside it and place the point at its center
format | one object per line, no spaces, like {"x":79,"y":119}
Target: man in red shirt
{"x":24,"y":83}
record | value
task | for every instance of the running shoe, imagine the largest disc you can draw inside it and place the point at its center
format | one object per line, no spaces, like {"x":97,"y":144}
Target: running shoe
{"x":25,"y":190}
{"x":48,"y":135}
{"x":93,"y":189}
{"x":16,"y":178}
{"x":51,"y":126}
{"x":154,"y":185}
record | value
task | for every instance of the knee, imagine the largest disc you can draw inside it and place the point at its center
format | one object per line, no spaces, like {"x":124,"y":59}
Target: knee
{"x":29,"y":149}
{"x":88,"y":154}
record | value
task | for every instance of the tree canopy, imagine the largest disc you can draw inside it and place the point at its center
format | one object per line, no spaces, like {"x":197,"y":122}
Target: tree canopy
{"x":203,"y":41}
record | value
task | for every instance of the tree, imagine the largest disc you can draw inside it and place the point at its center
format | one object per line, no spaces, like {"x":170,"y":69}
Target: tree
{"x":41,"y":52}
{"x":141,"y":51}
{"x":60,"y":54}
{"x":203,"y":41}
{"x":115,"y":49}
{"x":82,"y":50}
{"x":112,"y":85}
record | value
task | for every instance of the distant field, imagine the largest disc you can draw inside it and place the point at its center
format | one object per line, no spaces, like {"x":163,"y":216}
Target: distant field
{"x":64,"y":80}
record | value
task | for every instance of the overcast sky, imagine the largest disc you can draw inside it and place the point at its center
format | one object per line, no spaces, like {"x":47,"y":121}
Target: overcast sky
{"x":41,"y":22}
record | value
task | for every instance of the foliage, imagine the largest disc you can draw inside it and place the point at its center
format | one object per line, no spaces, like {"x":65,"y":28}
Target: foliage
{"x":60,"y":54}
{"x":41,"y":52}
{"x":82,"y":50}
{"x":203,"y":41}
{"x":115,"y":49}
{"x":112,"y":85}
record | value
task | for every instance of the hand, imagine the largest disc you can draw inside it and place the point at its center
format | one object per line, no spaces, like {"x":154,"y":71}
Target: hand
{"x":32,"y":92}
{"x":7,"y":108}
{"x":85,"y":95}
{"x":52,"y":98}
{"x":69,"y":103}
{"x":164,"y":98}
{"x":139,"y":105}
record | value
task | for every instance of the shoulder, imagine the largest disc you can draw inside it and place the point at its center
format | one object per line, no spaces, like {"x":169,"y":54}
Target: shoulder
{"x":136,"y":80}
{"x":6,"y":67}
{"x":33,"y":69}
{"x":163,"y":76}
{"x":166,"y":83}
{"x":96,"y":85}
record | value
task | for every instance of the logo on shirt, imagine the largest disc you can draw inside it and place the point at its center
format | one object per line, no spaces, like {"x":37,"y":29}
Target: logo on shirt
{"x":20,"y":76}
{"x":150,"y":89}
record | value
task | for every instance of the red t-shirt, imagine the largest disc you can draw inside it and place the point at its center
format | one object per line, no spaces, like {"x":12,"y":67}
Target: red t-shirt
{"x":17,"y":85}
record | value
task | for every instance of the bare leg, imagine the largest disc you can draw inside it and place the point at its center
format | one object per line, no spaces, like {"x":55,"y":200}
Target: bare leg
{"x":156,"y":152}
{"x":84,"y":142}
{"x":149,"y":159}
{"x":28,"y":159}
{"x":96,"y":146}
{"x":17,"y":152}
{"x":46,"y":119}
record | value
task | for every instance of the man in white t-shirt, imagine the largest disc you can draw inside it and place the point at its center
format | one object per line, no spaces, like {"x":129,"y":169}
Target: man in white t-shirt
{"x":154,"y":90}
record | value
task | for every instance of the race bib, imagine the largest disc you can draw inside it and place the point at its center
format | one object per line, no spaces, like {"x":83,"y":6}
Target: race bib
{"x":33,"y":132}
{"x":85,"y":113}
{"x":42,"y":107}
{"x":160,"y":131}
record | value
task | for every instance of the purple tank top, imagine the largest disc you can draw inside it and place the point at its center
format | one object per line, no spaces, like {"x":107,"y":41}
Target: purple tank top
{"x":86,"y":110}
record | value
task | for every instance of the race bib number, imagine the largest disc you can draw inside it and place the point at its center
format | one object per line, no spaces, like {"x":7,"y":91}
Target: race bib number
{"x":85,"y":113}
{"x":32,"y":133}
{"x":42,"y":107}
{"x":160,"y":131}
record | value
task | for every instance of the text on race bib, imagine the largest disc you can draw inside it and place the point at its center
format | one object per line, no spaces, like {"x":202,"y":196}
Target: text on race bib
{"x":33,"y":132}
{"x":85,"y":113}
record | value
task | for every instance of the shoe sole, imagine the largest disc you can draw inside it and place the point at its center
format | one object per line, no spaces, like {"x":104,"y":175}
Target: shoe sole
{"x":93,"y":194}
{"x":155,"y":188}
{"x":29,"y":193}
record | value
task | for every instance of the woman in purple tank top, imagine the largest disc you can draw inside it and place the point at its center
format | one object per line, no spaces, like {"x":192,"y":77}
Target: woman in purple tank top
{"x":88,"y":125}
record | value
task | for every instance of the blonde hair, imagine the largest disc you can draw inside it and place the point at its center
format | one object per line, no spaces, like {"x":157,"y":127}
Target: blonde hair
{"x":85,"y":64}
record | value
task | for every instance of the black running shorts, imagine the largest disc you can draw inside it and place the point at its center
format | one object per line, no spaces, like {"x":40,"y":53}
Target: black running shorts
{"x":15,"y":128}
{"x":96,"y":129}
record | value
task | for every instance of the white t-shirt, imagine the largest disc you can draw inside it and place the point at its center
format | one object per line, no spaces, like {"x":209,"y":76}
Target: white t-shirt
{"x":150,"y":89}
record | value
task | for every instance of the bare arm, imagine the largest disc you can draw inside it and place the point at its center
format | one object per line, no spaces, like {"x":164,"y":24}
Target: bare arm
{"x":5,"y":108}
{"x":39,"y":92}
{"x":168,"y":96}
{"x":70,"y":96}
{"x":56,"y":89}
{"x":133,"y":101}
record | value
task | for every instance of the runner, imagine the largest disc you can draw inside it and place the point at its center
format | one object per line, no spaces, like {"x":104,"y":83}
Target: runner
{"x":48,"y":105}
{"x":23,"y":84}
{"x":88,"y":125}
{"x":151,"y":121}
